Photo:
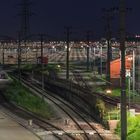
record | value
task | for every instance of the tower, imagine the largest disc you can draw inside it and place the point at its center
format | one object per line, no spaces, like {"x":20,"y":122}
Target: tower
{"x":25,"y":14}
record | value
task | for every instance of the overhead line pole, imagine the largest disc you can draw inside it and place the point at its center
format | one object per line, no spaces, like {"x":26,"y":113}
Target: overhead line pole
{"x":3,"y":54}
{"x":25,"y":14}
{"x":19,"y":56}
{"x":109,"y":51}
{"x":67,"y":59}
{"x":42,"y":59}
{"x":133,"y":70}
{"x":88,"y":38}
{"x":108,"y":17}
{"x":123,"y":72}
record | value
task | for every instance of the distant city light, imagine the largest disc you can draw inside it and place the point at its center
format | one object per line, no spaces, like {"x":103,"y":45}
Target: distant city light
{"x":137,"y":36}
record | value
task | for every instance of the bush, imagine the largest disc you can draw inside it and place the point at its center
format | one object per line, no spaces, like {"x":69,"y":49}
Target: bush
{"x":100,"y":105}
{"x":133,"y":128}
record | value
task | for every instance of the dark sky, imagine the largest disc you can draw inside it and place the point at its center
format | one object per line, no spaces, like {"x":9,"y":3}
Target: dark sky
{"x":52,"y":15}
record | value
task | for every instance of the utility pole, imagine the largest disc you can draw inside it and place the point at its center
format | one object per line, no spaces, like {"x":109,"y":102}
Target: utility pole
{"x":3,"y":53}
{"x":133,"y":70}
{"x":88,"y":38}
{"x":108,"y":17}
{"x":25,"y":14}
{"x":67,"y":59}
{"x":42,"y":59}
{"x":123,"y":72}
{"x":19,"y":57}
{"x":109,"y":52}
{"x":36,"y":53}
{"x":101,"y":60}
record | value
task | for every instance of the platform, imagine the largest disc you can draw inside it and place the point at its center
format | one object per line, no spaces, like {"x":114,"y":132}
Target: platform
{"x":10,"y":130}
{"x":5,"y":80}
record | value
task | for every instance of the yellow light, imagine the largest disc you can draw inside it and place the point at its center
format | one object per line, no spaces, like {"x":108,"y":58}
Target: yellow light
{"x":108,"y":91}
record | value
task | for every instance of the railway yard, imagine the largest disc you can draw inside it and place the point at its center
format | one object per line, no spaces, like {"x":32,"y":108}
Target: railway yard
{"x":72,"y":122}
{"x":73,"y":103}
{"x":69,"y":70}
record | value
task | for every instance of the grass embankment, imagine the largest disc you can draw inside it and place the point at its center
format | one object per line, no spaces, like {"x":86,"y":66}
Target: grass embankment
{"x":22,"y":96}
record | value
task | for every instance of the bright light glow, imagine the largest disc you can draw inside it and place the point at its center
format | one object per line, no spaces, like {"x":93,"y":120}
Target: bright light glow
{"x":130,"y":58}
{"x":108,"y":91}
{"x":60,"y":133}
{"x":91,"y":133}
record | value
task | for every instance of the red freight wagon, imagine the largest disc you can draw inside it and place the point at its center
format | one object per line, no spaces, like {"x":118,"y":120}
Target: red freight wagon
{"x":44,"y":60}
{"x":116,"y":66}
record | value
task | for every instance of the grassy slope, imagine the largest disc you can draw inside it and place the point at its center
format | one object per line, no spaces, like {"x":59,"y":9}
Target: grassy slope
{"x":20,"y":95}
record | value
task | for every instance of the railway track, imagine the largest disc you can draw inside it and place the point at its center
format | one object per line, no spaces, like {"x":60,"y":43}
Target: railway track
{"x":22,"y":117}
{"x":65,"y":107}
{"x":112,"y":101}
{"x":87,"y":90}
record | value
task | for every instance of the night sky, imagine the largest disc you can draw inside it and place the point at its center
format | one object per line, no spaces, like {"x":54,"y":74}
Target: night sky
{"x":52,"y":15}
